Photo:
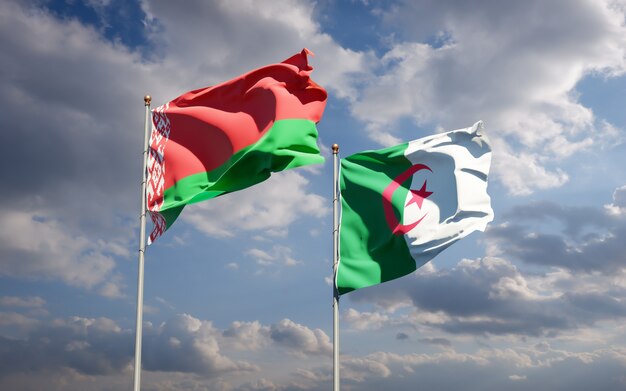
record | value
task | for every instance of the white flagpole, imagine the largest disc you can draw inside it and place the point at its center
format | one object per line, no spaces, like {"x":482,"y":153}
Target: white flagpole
{"x":335,"y":257}
{"x":142,"y":249}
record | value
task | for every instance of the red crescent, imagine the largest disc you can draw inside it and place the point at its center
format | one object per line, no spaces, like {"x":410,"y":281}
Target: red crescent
{"x":396,"y":227}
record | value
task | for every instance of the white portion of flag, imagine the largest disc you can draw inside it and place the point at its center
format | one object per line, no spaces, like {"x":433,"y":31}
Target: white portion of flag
{"x":459,"y":204}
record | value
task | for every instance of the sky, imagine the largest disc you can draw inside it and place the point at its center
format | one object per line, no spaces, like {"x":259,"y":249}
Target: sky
{"x":238,"y":293}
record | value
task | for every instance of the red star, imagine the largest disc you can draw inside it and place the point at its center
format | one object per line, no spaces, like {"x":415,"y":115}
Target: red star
{"x":418,"y":196}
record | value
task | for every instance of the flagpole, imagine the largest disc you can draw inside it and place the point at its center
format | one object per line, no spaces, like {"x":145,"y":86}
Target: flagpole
{"x":335,"y":258}
{"x":142,"y":248}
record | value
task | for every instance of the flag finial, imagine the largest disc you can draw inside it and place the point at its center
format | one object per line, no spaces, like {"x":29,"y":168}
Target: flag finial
{"x":335,"y":148}
{"x":147,"y":99}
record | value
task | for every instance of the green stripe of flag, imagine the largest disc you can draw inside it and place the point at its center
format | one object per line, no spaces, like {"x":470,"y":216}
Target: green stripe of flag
{"x":366,"y":239}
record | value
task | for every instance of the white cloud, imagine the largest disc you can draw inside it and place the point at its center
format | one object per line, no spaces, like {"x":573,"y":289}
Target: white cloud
{"x":488,"y":369}
{"x":24,"y":316}
{"x":522,"y":173}
{"x":591,"y":239}
{"x":69,"y":211}
{"x":226,"y":49}
{"x":365,"y":320}
{"x":515,"y":66}
{"x":35,"y":247}
{"x":23,"y":302}
{"x":189,"y":353}
{"x":300,"y":339}
{"x":188,"y":344}
{"x":247,"y":335}
{"x":111,"y":290}
{"x":15,"y":319}
{"x":270,"y":205}
{"x":361,"y":368}
{"x":182,"y":344}
{"x":618,"y":206}
{"x":295,"y":338}
{"x":280,"y":255}
{"x":87,"y":345}
{"x":537,"y":367}
{"x":164,"y":303}
{"x":493,"y":297}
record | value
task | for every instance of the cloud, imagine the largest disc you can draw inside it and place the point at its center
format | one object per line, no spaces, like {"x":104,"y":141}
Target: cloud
{"x":488,"y":369}
{"x":36,"y":247}
{"x":226,"y":49}
{"x":98,"y":346}
{"x":22,"y":302}
{"x":66,"y":139}
{"x":187,"y":344}
{"x":364,"y":320}
{"x":575,"y":282}
{"x":65,"y":82}
{"x":492,"y":297}
{"x":261,"y":385}
{"x":540,"y":366}
{"x":89,"y":346}
{"x":618,"y":206}
{"x":280,"y":255}
{"x":299,"y":338}
{"x":85,"y":347}
{"x":591,"y":240}
{"x":513,"y":65}
{"x":269,"y":207}
{"x":361,"y":368}
{"x":70,"y":380}
{"x":16,"y":319}
{"x":442,"y":342}
{"x":247,"y":335}
{"x":296,"y":338}
{"x":185,"y":353}
{"x":22,"y":316}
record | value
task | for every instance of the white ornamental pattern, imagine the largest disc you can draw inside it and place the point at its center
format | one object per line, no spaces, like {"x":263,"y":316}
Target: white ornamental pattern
{"x":159,"y":226}
{"x":161,"y":129}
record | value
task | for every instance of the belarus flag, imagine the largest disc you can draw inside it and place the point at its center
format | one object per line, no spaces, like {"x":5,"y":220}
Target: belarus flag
{"x":224,"y":138}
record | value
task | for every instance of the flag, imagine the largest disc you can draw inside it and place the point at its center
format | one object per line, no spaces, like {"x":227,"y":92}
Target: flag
{"x":401,"y":206}
{"x":227,"y":137}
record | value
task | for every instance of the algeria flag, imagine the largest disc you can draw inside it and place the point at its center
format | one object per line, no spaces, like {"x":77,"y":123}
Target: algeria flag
{"x":224,"y":138}
{"x":403,"y":205}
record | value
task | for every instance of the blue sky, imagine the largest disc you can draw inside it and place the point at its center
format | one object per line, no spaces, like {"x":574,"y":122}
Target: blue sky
{"x":237,"y":293}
